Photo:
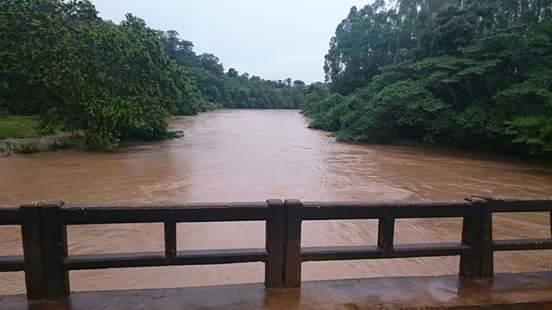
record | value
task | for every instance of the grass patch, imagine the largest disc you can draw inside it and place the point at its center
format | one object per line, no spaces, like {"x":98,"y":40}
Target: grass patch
{"x":18,"y":127}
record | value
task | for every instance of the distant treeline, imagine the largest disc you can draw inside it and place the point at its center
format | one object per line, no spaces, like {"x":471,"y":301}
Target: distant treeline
{"x":468,"y":73}
{"x":60,"y":60}
{"x":230,"y":89}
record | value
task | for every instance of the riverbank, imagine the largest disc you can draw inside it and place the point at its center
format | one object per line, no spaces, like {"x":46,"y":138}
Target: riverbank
{"x":466,"y":151}
{"x":20,"y":135}
{"x":38,"y":144}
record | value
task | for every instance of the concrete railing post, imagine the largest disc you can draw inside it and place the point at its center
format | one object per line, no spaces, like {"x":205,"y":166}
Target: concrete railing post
{"x":292,"y":273}
{"x":275,"y":244}
{"x":45,"y":248}
{"x":477,"y":234}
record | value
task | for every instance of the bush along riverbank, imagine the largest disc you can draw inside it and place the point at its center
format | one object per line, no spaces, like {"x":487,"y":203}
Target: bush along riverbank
{"x":469,"y":74}
{"x":24,"y":135}
{"x":39,"y":144}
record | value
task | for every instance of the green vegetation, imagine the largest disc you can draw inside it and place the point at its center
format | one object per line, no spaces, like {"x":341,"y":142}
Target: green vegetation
{"x":18,"y":127}
{"x":468,"y":73}
{"x":113,"y":81}
{"x":230,"y":89}
{"x":81,"y":73}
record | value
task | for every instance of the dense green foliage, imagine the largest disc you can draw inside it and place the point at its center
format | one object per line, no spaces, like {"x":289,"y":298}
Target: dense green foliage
{"x":230,"y":89}
{"x":466,"y":73}
{"x":59,"y":59}
{"x":110,"y":81}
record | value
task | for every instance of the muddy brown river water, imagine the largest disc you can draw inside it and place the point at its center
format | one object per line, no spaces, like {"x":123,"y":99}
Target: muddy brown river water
{"x":244,"y":155}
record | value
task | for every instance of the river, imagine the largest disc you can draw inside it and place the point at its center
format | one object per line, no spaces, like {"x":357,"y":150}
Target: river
{"x":248,"y":155}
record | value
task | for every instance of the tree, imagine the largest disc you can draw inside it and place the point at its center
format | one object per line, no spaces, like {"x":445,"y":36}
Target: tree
{"x":367,"y":39}
{"x":232,"y":73}
{"x":107,"y":81}
{"x":468,"y":73}
{"x":229,"y":89}
{"x":299,"y":84}
{"x":211,"y":63}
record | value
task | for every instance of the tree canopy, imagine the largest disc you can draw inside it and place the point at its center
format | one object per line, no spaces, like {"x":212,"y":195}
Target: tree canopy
{"x":461,"y":72}
{"x":60,"y":60}
{"x":231,"y":89}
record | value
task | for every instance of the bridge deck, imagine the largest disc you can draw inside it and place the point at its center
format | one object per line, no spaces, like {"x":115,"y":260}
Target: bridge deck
{"x":507,"y":291}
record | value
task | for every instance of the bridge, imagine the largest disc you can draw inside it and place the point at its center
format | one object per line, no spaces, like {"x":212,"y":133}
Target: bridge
{"x":46,"y":262}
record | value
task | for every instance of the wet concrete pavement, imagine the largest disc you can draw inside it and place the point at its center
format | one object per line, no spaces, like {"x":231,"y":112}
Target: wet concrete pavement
{"x":507,"y":291}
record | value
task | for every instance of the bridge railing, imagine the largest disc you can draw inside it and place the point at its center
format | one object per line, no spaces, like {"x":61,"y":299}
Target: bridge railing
{"x":46,"y":262}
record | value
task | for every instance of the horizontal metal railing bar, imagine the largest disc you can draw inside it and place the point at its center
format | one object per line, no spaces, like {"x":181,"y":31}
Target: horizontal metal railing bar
{"x":9,"y":216}
{"x":429,"y":250}
{"x":158,"y":259}
{"x":330,"y":253}
{"x":354,"y":211}
{"x":82,"y":215}
{"x":374,"y":252}
{"x":12,"y":263}
{"x":196,"y":205}
{"x":520,"y":206}
{"x":522,"y":245}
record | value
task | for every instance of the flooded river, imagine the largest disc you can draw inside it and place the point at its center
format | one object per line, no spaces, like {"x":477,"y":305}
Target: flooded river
{"x":244,"y":155}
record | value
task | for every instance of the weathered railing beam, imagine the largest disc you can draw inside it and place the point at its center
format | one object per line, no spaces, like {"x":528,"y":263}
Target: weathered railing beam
{"x":333,"y":253}
{"x":159,"y":259}
{"x":508,"y":206}
{"x":10,"y":216}
{"x":323,"y":211}
{"x":12,"y":263}
{"x":522,"y":244}
{"x":193,"y":213}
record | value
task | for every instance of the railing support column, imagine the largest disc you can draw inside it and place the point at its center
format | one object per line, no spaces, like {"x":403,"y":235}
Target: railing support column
{"x":386,"y":234}
{"x":292,"y":273}
{"x":275,"y":244}
{"x":169,"y":228}
{"x":45,"y":248}
{"x":477,"y":233}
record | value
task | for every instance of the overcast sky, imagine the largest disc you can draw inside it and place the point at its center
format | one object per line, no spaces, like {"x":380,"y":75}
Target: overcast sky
{"x":275,"y":39}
